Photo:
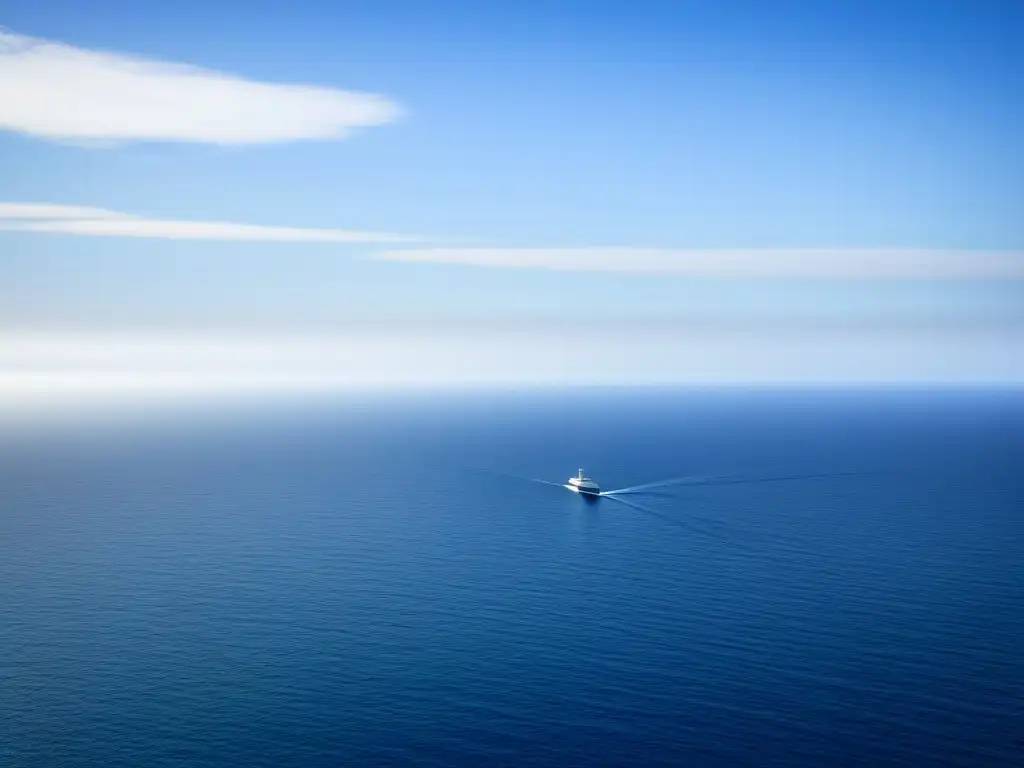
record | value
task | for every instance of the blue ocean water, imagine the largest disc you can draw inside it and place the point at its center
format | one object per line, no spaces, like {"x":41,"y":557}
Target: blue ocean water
{"x":354,"y":582}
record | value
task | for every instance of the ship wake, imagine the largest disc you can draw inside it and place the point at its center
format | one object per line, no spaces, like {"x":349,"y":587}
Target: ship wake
{"x":665,"y":487}
{"x":660,"y":486}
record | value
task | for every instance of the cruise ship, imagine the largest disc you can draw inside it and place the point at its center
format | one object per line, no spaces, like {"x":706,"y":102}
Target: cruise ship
{"x":582,"y":484}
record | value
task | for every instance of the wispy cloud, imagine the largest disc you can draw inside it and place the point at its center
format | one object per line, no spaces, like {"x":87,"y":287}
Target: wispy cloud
{"x":99,"y":222}
{"x":58,"y":91}
{"x":820,"y":263}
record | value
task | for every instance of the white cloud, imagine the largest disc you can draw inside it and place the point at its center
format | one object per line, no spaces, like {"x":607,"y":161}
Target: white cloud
{"x":99,"y":222}
{"x":58,"y":91}
{"x":819,"y":263}
{"x":51,"y":211}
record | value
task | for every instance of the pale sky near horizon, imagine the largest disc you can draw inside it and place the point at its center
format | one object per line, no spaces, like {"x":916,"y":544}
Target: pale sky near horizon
{"x":400,"y":192}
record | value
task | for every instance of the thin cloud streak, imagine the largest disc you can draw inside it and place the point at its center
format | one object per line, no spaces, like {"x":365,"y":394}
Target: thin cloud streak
{"x":796,"y":263}
{"x":55,"y":211}
{"x":99,"y":222}
{"x":57,"y":91}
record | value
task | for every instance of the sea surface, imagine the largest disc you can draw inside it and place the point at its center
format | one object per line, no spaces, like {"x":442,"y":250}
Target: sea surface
{"x":382,"y":580}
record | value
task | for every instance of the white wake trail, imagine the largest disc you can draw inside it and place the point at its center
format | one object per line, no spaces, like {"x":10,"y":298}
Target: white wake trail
{"x":733,"y":479}
{"x":656,"y":484}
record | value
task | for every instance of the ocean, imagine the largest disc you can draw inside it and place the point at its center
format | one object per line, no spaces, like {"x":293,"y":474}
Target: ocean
{"x":382,"y":580}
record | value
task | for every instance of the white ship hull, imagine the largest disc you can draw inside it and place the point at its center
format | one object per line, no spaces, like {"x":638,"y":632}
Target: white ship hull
{"x":584,"y":485}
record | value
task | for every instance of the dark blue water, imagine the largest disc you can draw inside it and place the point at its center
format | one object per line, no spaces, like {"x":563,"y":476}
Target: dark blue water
{"x":340,"y":583}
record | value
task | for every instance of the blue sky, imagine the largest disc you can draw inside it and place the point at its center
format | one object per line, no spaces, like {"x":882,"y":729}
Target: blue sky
{"x":772,"y":137}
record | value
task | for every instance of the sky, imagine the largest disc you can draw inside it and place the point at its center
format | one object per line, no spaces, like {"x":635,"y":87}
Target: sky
{"x":299,"y":195}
